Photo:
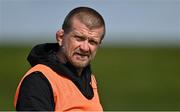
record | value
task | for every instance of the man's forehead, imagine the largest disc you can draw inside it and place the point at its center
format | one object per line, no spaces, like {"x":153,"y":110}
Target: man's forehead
{"x":84,"y":32}
{"x":76,"y":23}
{"x":80,"y":28}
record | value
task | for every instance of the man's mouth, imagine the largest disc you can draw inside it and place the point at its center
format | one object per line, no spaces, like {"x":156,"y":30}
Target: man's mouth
{"x":82,"y":56}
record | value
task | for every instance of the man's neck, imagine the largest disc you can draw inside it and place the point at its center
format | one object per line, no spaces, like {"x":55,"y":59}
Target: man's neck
{"x":79,"y":72}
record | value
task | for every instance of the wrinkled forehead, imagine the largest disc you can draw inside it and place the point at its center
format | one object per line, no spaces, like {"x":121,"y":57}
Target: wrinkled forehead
{"x":78,"y":25}
{"x":80,"y":28}
{"x":88,"y":21}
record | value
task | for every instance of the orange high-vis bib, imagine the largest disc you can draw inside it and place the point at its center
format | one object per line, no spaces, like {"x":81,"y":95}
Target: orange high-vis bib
{"x":67,"y":97}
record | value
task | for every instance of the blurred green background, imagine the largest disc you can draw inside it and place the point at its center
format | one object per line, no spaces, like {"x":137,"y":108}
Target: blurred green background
{"x":129,"y":78}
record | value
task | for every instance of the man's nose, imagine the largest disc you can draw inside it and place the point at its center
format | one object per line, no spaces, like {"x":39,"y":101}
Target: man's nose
{"x":84,"y":46}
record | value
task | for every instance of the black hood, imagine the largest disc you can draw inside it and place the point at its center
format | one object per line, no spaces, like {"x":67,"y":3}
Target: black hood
{"x":46,"y":54}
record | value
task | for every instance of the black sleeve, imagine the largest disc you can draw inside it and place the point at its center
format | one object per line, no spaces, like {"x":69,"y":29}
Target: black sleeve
{"x":35,"y":93}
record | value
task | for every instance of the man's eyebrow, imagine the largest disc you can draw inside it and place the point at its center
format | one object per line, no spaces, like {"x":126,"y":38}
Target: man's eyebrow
{"x":78,"y":33}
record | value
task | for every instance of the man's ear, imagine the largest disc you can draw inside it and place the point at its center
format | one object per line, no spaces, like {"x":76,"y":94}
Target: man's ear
{"x":60,"y":36}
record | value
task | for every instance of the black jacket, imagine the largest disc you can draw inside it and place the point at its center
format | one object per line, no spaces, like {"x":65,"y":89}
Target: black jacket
{"x":36,"y":92}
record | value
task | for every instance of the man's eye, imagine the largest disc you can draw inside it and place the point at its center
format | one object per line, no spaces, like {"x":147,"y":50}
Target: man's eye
{"x":93,"y":42}
{"x":78,"y":38}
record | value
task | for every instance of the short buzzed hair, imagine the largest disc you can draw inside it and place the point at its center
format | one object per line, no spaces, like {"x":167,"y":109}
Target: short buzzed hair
{"x":90,"y":17}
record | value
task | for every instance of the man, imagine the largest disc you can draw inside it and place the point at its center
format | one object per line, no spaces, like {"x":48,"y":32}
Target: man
{"x":60,"y":78}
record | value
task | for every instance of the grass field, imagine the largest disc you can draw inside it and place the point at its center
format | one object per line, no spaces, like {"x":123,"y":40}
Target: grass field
{"x":128,"y":78}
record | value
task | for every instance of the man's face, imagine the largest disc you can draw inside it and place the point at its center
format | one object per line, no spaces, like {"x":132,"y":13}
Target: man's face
{"x":81,"y":43}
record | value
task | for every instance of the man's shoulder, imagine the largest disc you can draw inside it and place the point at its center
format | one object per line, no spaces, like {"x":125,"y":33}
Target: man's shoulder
{"x":35,"y":89}
{"x":34,"y":78}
